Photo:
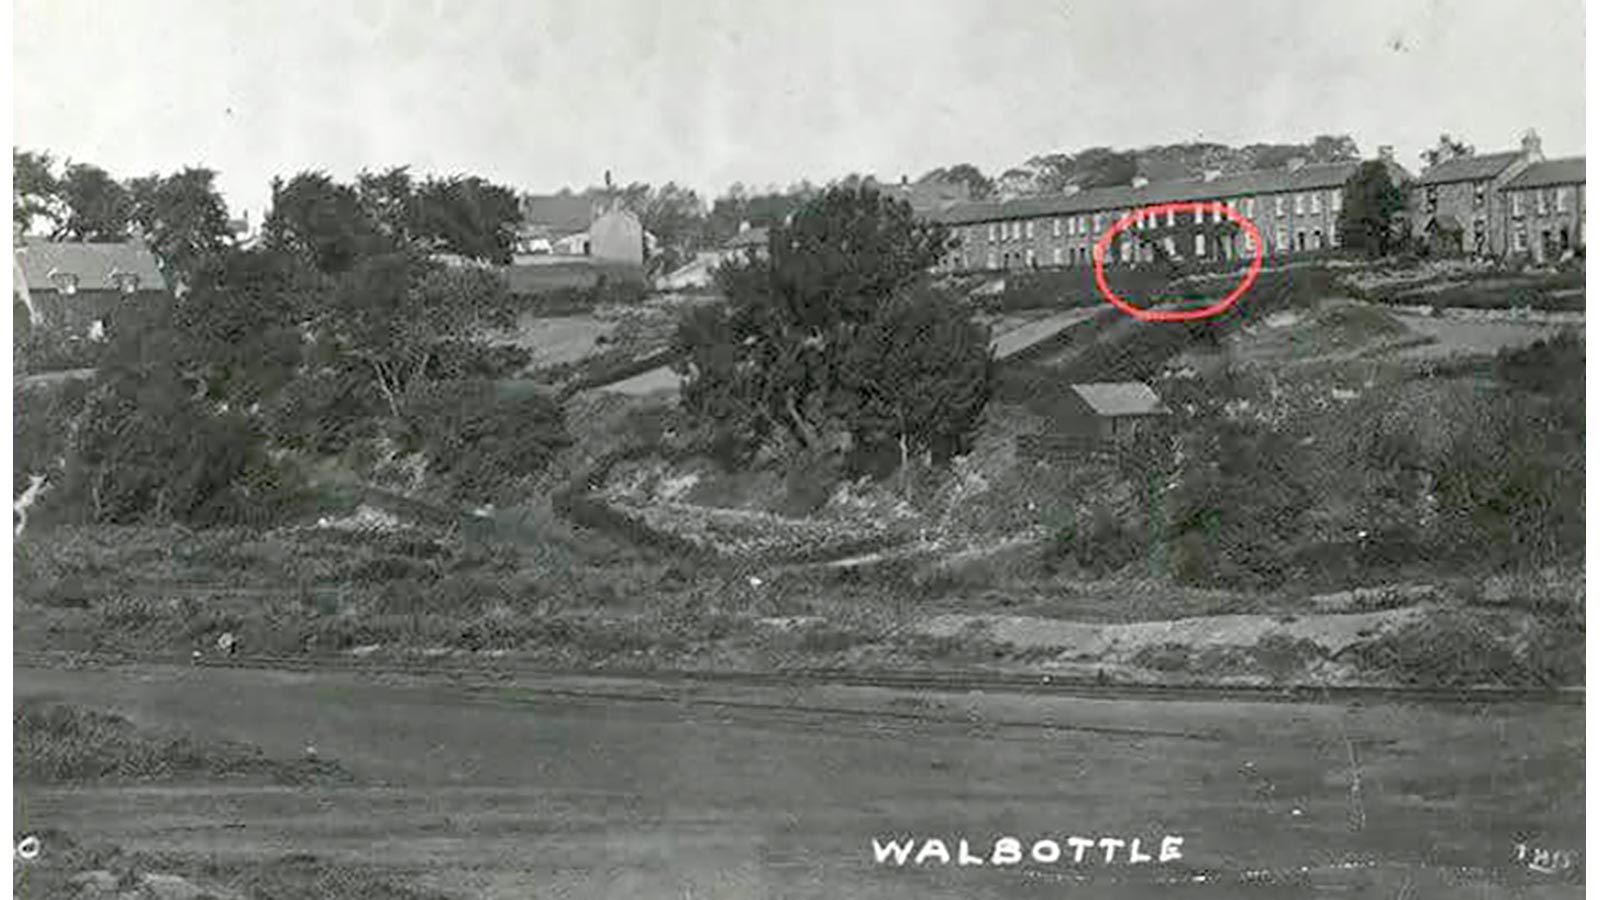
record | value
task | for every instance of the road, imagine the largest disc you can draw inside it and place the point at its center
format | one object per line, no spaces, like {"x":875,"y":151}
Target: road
{"x":572,"y":786}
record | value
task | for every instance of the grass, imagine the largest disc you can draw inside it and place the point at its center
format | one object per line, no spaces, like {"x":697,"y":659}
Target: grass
{"x":57,"y":743}
{"x":52,"y":875}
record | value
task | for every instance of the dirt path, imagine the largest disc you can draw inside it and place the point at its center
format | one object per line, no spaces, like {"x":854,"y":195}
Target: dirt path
{"x":566,"y":787}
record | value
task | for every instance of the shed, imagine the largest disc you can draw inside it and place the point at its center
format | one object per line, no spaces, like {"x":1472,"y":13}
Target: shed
{"x":1110,"y":411}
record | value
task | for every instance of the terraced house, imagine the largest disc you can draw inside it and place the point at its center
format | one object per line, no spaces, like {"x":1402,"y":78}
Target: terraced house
{"x":1543,"y":210}
{"x":1295,"y":208}
{"x":1457,"y":204}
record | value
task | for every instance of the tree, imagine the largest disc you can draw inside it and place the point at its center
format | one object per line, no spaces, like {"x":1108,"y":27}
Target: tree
{"x":388,"y":199}
{"x":979,"y":185}
{"x":98,"y":207}
{"x":321,"y":222}
{"x":798,"y":351}
{"x":675,"y":215}
{"x":183,"y":217}
{"x":1448,"y":148}
{"x":468,"y":216}
{"x":1333,"y":148}
{"x":403,"y":319}
{"x":917,"y":377}
{"x":34,"y":189}
{"x":1372,"y":214}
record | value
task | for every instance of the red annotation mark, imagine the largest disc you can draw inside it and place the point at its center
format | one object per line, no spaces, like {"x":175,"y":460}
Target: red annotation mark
{"x":1103,"y":246}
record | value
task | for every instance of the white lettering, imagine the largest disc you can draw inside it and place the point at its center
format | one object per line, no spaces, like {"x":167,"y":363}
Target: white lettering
{"x":1134,"y":856}
{"x":1007,"y":852}
{"x":1111,"y":844}
{"x":1080,"y":846}
{"x":900,"y":852}
{"x":931,"y":848}
{"x":965,"y":857}
{"x":1169,"y":848}
{"x":1046,"y":851}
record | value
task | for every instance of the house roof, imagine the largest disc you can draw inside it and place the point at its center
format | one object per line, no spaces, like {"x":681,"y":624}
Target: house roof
{"x":1259,"y":181}
{"x":558,"y":213}
{"x":1468,"y":168}
{"x":750,"y":237}
{"x":93,"y":264}
{"x":1554,"y":171}
{"x":1121,"y":398}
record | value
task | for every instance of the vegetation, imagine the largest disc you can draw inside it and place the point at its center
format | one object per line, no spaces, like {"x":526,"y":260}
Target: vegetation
{"x":1372,"y":216}
{"x":805,"y":345}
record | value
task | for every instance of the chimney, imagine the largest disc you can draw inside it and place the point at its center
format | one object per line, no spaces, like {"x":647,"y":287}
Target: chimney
{"x":1140,"y":181}
{"x":1211,"y":174}
{"x":1295,"y":163}
{"x":904,"y":181}
{"x":1531,"y":149}
{"x":1386,"y":152}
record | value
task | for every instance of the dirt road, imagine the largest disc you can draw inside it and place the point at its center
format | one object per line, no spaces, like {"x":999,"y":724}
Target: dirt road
{"x":586,"y":787}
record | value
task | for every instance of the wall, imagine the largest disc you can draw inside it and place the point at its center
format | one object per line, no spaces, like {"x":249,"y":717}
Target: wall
{"x":617,"y":237}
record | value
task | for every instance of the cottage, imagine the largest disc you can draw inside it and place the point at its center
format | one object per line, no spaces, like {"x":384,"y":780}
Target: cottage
{"x":1544,"y":208}
{"x":1110,"y":411}
{"x":76,"y":287}
{"x":1456,"y":204}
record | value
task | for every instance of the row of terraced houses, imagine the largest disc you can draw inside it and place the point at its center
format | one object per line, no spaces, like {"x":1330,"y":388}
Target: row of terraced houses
{"x":1515,"y":204}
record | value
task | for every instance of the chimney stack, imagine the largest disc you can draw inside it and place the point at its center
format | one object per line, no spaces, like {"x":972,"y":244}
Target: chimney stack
{"x":1295,"y":163}
{"x":1532,"y":151}
{"x":1386,"y":152}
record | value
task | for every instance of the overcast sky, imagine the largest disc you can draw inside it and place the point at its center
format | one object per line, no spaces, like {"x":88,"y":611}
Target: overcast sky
{"x":539,"y":95}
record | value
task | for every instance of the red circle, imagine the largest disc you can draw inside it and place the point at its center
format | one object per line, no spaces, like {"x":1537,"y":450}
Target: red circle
{"x":1103,"y":243}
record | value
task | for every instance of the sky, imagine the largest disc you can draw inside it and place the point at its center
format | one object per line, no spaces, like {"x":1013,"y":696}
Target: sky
{"x":540,"y":95}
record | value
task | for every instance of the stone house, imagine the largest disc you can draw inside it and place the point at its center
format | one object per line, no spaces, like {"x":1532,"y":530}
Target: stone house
{"x":1456,"y":204}
{"x":1295,"y":208}
{"x":75,"y":288}
{"x":1543,"y":210}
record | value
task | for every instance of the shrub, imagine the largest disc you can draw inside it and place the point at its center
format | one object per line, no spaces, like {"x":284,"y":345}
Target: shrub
{"x":480,"y":439}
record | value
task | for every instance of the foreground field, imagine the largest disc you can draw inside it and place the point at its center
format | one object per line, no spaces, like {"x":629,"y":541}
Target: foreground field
{"x":595,"y":787}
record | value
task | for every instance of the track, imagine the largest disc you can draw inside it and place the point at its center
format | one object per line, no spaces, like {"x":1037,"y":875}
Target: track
{"x":951,"y":682}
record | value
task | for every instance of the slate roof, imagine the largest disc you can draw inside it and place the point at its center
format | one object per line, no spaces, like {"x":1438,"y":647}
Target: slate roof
{"x":93,"y":264}
{"x":1468,"y":168}
{"x":1549,"y":172}
{"x":1241,"y":184}
{"x":560,"y":214}
{"x":1121,"y":398}
{"x":750,"y":237}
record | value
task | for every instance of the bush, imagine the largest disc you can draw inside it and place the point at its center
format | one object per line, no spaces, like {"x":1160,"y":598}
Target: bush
{"x":480,"y":439}
{"x":322,"y":412}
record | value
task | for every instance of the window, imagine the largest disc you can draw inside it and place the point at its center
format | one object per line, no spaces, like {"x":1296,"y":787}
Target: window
{"x":1433,"y":199}
{"x":1216,"y":212}
{"x":1335,"y":200}
{"x":1561,"y":200}
{"x":65,"y":282}
{"x":1199,"y":245}
{"x":1521,"y":241}
{"x":1170,"y":244}
{"x":993,"y":234}
{"x":1055,"y":229}
{"x":1316,"y":203}
{"x":1543,"y":202}
{"x":1199,"y":214}
{"x":994,"y":262}
{"x":1031,"y":261}
{"x":1300,"y":240}
{"x":1127,"y":250}
{"x":1055,"y":254}
{"x":1479,"y":191}
{"x":1299,"y":204}
{"x":1281,"y":241}
{"x":1316,"y":239}
{"x":1171,"y":217}
{"x":1516,"y":204}
{"x":126,"y":282}
{"x":1098,"y":219}
{"x":1030,"y":231}
{"x":1278,"y":203}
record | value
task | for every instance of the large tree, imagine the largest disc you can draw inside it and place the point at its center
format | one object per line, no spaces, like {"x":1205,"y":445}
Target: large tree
{"x":183,"y":217}
{"x":468,"y":216}
{"x":34,"y":189}
{"x":798,"y":350}
{"x":1372,"y":216}
{"x":321,"y":222}
{"x":98,"y":207}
